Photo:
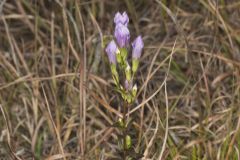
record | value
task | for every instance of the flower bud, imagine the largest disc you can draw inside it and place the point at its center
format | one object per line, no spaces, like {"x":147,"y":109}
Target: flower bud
{"x":121,"y":18}
{"x":122,"y":35}
{"x":121,"y":123}
{"x":128,"y":142}
{"x":134,"y":90}
{"x":128,"y":73}
{"x":128,"y":85}
{"x":129,"y":98}
{"x":137,"y":47}
{"x":111,"y":52}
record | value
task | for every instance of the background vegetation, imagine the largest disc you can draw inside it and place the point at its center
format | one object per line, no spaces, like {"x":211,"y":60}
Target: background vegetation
{"x":56,"y":92}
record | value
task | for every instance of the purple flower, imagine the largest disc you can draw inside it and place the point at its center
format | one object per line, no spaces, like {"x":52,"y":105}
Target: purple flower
{"x":128,"y":85}
{"x":122,"y":35}
{"x":121,"y":18}
{"x":111,"y":52}
{"x":137,"y":47}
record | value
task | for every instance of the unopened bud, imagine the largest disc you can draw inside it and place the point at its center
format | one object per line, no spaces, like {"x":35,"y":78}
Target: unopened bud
{"x":128,"y":73}
{"x":134,"y":90}
{"x":129,"y":98}
{"x":128,"y":142}
{"x":128,"y":85}
{"x":120,"y":122}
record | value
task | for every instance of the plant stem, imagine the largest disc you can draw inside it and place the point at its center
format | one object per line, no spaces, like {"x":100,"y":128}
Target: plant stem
{"x":124,"y":130}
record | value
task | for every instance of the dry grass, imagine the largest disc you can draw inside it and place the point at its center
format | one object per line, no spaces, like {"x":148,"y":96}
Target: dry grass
{"x":57,"y":98}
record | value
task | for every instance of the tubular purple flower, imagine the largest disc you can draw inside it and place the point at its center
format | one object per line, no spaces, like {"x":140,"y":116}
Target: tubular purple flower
{"x":137,"y":47}
{"x":122,"y":35}
{"x":121,"y":18}
{"x":111,"y":52}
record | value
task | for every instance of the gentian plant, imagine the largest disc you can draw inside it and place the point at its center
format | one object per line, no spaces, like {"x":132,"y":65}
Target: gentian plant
{"x":117,"y":51}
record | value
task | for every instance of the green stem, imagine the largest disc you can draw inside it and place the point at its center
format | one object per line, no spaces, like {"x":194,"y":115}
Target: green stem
{"x":124,"y":129}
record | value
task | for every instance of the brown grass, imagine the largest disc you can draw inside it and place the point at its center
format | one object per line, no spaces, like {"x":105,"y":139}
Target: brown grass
{"x":57,"y":98}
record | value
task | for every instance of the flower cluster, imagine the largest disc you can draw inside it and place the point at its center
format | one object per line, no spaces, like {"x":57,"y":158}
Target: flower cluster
{"x":117,"y":51}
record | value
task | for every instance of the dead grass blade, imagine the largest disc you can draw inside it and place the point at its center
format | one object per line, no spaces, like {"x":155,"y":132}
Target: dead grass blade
{"x":8,"y":135}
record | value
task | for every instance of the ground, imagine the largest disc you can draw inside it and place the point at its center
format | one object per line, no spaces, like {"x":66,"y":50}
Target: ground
{"x":58,"y":99}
